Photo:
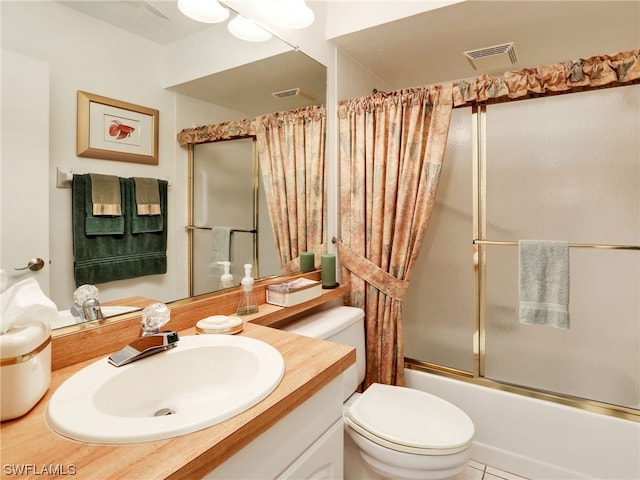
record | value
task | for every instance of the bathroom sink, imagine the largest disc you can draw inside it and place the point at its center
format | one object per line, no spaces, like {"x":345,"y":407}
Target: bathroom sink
{"x":65,"y":317}
{"x":204,"y":380}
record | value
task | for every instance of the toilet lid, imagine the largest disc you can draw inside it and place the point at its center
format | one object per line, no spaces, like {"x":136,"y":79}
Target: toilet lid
{"x":410,"y":420}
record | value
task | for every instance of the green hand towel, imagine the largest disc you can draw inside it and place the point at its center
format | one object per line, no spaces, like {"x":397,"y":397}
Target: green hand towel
{"x":147,"y":214}
{"x":544,"y":282}
{"x":105,"y":258}
{"x":105,"y":195}
{"x":93,"y":224}
{"x":147,"y":196}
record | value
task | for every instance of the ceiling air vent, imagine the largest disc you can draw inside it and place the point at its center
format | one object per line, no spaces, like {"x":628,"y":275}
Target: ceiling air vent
{"x":293,"y":92}
{"x":492,"y":58}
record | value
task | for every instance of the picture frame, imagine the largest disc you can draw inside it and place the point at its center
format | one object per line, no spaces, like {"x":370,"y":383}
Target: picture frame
{"x":111,"y":129}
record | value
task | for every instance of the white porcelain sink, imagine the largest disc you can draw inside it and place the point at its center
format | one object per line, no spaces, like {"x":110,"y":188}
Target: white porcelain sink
{"x":65,"y":317}
{"x":204,"y":380}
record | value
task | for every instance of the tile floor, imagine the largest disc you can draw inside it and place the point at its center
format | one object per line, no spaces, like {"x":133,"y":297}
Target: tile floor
{"x":479,"y":471}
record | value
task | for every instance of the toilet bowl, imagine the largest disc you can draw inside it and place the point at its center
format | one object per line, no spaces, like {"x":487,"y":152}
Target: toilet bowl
{"x":408,"y":434}
{"x":390,"y":432}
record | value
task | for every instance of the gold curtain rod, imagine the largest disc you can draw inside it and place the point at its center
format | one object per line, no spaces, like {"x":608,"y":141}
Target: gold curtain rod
{"x":577,"y":245}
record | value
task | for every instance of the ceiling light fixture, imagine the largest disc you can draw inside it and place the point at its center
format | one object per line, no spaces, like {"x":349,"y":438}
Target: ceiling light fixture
{"x":292,"y":13}
{"x":206,"y":11}
{"x":284,"y":13}
{"x":247,"y":30}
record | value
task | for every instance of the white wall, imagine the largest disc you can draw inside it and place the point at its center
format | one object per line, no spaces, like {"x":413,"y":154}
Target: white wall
{"x":348,"y":16}
{"x":355,"y":81}
{"x":190,"y":58}
{"x":115,"y":64}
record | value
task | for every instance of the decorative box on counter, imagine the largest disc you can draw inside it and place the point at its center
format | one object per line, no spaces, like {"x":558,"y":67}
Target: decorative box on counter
{"x":294,"y":292}
{"x":26,"y":368}
{"x":26,"y":314}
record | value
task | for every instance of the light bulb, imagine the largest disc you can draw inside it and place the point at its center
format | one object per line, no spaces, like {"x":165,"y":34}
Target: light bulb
{"x":248,"y":30}
{"x":206,"y":11}
{"x":292,"y":13}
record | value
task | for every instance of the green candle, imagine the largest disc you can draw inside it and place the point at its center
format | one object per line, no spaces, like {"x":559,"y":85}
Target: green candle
{"x":307,"y":261}
{"x":328,"y":275}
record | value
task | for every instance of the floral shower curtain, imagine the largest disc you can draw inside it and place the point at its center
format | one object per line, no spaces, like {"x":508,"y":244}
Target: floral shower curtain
{"x":291,"y":151}
{"x":391,"y":151}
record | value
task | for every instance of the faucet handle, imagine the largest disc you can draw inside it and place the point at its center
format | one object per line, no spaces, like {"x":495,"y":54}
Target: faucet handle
{"x":84,"y":293}
{"x":154,"y":317}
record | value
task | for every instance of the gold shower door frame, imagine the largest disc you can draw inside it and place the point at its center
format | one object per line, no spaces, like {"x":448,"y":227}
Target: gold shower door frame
{"x":190,"y":227}
{"x":479,"y":256}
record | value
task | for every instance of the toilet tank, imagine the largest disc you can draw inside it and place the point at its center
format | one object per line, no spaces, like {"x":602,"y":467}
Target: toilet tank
{"x":344,"y":325}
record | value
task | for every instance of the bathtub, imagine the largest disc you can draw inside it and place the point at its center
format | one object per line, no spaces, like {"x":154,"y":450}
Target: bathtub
{"x":538,"y":439}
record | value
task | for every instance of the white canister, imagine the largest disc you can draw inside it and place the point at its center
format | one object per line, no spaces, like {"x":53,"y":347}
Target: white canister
{"x":25,"y":372}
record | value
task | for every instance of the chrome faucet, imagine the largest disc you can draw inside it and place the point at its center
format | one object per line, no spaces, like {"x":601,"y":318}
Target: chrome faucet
{"x":86,"y":306}
{"x":152,"y":340}
{"x":144,"y":346}
{"x":91,"y":310}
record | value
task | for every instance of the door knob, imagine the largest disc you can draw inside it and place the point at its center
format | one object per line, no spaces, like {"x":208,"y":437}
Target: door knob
{"x":34,"y":265}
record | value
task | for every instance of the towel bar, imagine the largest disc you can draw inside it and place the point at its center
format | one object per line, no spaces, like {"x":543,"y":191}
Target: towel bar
{"x":577,"y":245}
{"x":64,"y":178}
{"x":233,"y":230}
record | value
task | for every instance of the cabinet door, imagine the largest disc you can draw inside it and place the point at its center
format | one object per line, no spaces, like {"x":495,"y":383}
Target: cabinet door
{"x":323,"y":460}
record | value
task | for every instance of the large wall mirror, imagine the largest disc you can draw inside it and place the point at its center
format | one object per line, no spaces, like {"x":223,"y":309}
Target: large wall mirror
{"x":230,"y":218}
{"x":116,"y":49}
{"x":228,"y":210}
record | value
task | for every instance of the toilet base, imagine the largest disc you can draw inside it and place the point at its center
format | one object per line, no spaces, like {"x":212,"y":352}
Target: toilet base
{"x":360,"y":464}
{"x":355,"y":468}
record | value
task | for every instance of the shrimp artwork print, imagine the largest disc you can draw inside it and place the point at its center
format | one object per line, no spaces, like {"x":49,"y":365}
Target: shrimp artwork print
{"x":111,"y":129}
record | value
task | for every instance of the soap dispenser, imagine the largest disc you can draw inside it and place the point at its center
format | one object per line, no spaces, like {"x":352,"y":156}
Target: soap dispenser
{"x":226,"y":279}
{"x":248,"y":304}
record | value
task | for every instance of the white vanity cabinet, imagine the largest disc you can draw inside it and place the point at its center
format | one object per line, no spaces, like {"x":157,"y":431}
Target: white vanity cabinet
{"x":306,"y":444}
{"x":323,"y":460}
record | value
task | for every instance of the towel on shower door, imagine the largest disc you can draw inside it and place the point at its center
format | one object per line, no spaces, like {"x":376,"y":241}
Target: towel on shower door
{"x":220,"y":250}
{"x":544,"y":282}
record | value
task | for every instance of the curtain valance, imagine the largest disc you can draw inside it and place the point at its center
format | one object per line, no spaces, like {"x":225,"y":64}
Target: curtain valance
{"x":217,"y":131}
{"x":246,"y":127}
{"x":593,"y":72}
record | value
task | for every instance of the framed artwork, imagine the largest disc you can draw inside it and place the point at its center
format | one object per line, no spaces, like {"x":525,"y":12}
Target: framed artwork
{"x":115,"y":130}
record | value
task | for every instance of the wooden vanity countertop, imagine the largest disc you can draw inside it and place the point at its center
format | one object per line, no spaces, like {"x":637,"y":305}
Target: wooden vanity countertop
{"x":28,"y":443}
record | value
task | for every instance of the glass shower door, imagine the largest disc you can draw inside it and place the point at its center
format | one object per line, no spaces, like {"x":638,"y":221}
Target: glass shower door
{"x":223,"y":196}
{"x":567,"y":168}
{"x":438,"y":318}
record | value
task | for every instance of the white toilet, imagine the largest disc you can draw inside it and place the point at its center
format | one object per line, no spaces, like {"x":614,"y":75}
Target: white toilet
{"x":390,"y":432}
